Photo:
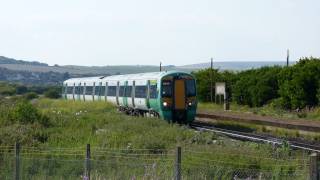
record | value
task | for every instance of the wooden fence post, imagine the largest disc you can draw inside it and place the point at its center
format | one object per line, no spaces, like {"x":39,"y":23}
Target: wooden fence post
{"x":314,"y":167}
{"x":17,"y":164}
{"x":87,"y":164}
{"x":177,"y":173}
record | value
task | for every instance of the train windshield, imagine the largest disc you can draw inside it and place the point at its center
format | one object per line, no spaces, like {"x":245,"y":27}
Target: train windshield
{"x":166,"y":89}
{"x":191,"y":88}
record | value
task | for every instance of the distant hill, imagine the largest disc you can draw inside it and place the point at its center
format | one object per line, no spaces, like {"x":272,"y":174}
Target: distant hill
{"x":235,"y":65}
{"x":37,"y":72}
{"x":5,"y":60}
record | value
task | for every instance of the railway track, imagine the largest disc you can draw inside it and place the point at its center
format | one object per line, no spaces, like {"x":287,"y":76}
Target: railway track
{"x":254,"y":137}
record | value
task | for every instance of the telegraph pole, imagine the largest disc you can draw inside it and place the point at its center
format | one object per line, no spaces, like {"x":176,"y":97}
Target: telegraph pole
{"x":160,"y":66}
{"x":211,"y":81}
{"x":287,"y":57}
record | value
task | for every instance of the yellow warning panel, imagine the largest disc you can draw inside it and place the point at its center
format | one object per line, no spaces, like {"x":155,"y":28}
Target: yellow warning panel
{"x":179,"y":94}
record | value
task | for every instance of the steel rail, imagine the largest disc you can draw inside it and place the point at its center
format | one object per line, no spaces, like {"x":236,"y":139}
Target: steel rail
{"x":255,"y":137}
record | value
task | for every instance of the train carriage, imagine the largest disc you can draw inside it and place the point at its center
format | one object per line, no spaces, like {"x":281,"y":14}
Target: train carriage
{"x":169,"y":95}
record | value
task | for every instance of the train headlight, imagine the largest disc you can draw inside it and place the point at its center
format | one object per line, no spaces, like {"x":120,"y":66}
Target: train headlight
{"x":165,"y":104}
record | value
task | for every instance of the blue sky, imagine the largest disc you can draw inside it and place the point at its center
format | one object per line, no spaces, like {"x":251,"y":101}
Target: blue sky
{"x":103,"y":32}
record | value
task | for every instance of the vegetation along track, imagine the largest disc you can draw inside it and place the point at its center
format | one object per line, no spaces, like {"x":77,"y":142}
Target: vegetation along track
{"x":254,"y":137}
{"x":305,"y":125}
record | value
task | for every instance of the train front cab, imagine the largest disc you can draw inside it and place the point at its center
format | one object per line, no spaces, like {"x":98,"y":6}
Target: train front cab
{"x":178,"y":97}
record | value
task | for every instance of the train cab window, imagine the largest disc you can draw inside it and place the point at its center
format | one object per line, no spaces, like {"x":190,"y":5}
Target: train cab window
{"x":112,"y":90}
{"x":128,"y":91}
{"x":191,"y":87}
{"x":97,"y":90}
{"x":102,"y":91}
{"x":70,"y":90}
{"x":141,"y":91}
{"x":166,"y":89}
{"x":121,"y":91}
{"x":153,"y":92}
{"x":89,"y":90}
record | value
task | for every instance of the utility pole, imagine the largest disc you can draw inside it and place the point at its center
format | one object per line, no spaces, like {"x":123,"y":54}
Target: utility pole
{"x":160,"y":66}
{"x":287,"y":57}
{"x":211,"y":81}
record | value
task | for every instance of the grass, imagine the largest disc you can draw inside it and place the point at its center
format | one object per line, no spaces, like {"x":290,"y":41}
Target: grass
{"x":124,"y":147}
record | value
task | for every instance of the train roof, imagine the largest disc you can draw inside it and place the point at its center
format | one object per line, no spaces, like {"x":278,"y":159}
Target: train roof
{"x":139,"y":76}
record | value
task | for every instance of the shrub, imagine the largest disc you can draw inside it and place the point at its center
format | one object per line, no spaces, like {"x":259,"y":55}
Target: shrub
{"x":30,"y":95}
{"x":20,"y":89}
{"x":25,"y":113}
{"x":53,"y":93}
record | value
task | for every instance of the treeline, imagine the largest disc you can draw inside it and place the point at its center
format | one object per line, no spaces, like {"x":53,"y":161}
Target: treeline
{"x":292,"y":87}
{"x":29,"y":91}
{"x":49,"y":78}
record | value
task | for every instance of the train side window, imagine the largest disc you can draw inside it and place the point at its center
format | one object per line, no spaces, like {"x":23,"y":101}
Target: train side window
{"x":153,"y":92}
{"x":166,"y":89}
{"x":112,"y":90}
{"x":81,"y":88}
{"x":102,"y":91}
{"x":191,"y":88}
{"x":70,"y":90}
{"x":128,"y":91}
{"x":76,"y":90}
{"x":97,"y":90}
{"x":121,"y":91}
{"x":141,"y":91}
{"x":89,"y":90}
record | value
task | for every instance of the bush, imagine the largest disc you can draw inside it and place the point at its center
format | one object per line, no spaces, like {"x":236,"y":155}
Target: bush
{"x":6,"y":89}
{"x":25,"y":113}
{"x":53,"y":93}
{"x":30,"y":95}
{"x":21,"y":89}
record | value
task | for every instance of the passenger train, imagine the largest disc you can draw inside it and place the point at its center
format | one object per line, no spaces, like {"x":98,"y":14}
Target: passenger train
{"x":169,"y":95}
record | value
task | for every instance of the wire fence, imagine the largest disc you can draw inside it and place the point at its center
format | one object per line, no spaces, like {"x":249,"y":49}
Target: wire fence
{"x":105,"y":163}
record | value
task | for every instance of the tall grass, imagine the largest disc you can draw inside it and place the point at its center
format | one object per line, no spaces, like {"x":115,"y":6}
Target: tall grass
{"x":126,"y":147}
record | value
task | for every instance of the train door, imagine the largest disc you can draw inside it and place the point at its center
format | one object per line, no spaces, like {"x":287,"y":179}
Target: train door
{"x":93,"y":91}
{"x":99,"y":91}
{"x":117,"y":93}
{"x":148,"y":94}
{"x":65,"y":91}
{"x":106,"y":92}
{"x":179,"y":94}
{"x":125,"y":97}
{"x":73,"y":91}
{"x":84,"y":92}
{"x":78,"y":91}
{"x":133,"y":93}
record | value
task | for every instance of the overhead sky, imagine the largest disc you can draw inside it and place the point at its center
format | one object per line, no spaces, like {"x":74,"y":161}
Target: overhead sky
{"x":120,"y":32}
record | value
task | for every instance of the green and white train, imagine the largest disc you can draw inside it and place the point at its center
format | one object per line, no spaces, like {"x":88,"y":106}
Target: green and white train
{"x":169,"y":95}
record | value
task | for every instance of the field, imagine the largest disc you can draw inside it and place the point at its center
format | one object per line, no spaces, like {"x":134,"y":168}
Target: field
{"x":54,"y":133}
